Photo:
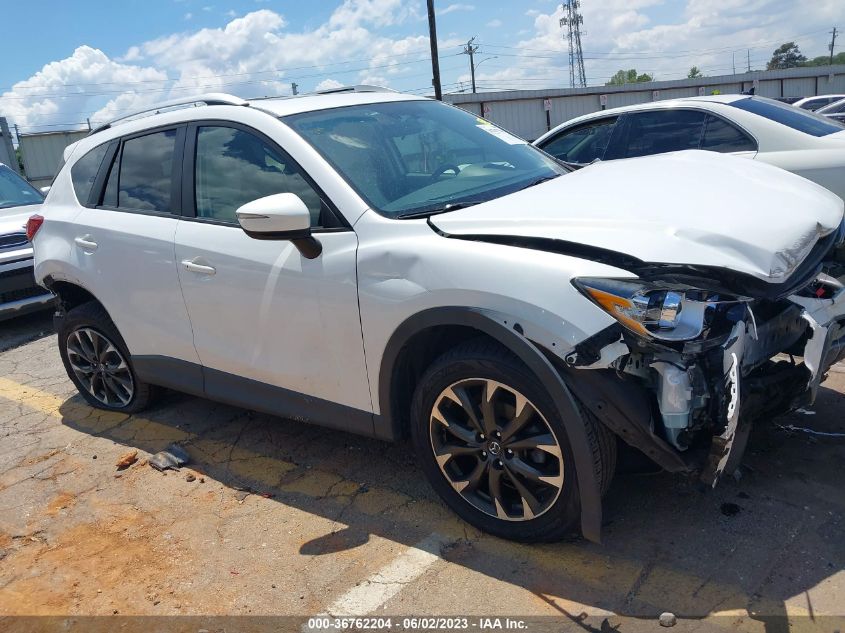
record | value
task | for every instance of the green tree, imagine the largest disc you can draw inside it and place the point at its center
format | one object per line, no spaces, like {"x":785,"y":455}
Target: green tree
{"x":623,"y":77}
{"x":786,"y":56}
{"x":694,"y":73}
{"x":824,"y":60}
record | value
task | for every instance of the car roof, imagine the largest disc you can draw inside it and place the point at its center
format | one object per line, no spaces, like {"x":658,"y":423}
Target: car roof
{"x":183,"y":109}
{"x":649,"y":105}
{"x":817,"y":97}
{"x":285,"y":106}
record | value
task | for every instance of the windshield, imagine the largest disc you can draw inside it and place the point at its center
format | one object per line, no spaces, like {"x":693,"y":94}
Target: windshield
{"x":790,"y":116}
{"x":415,"y":157}
{"x":15,"y":191}
{"x":834,"y":108}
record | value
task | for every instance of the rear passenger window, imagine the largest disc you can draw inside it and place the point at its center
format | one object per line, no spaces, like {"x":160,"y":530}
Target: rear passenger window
{"x":721,"y":136}
{"x":234,"y":167}
{"x":583,"y":144}
{"x":84,"y":171}
{"x":145,"y":178}
{"x":657,"y":132}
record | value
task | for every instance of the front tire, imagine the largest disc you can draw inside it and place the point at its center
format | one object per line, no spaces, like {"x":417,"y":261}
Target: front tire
{"x":97,"y":361}
{"x":493,"y":446}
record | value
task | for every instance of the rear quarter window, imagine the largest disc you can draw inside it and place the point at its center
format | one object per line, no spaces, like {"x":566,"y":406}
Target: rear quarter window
{"x":84,"y":171}
{"x":790,"y":116}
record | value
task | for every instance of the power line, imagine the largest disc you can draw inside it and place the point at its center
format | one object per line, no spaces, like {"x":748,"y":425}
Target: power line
{"x":661,"y":53}
{"x":214,"y":85}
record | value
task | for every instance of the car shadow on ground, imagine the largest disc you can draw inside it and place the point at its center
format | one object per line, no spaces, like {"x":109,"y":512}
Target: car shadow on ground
{"x":753,"y":543}
{"x":23,"y":329}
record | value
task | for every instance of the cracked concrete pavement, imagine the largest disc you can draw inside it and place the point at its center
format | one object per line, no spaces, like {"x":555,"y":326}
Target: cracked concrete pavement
{"x":287,"y":519}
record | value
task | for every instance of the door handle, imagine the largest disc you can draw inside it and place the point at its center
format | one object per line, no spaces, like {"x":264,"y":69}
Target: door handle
{"x":86,"y":243}
{"x":198,"y":268}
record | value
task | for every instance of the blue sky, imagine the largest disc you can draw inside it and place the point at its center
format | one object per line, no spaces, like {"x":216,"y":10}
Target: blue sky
{"x":63,"y":62}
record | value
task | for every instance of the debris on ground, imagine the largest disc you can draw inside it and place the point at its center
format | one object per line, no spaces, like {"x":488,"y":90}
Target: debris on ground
{"x":242,"y":493}
{"x":173,"y":457}
{"x":803,"y":411}
{"x":730,"y":509}
{"x":190,"y":477}
{"x":668,"y":619}
{"x":803,"y":429}
{"x":126,"y":460}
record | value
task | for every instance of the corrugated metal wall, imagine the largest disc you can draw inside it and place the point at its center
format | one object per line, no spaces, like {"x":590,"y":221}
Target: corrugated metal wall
{"x":523,"y":113}
{"x":42,"y":153}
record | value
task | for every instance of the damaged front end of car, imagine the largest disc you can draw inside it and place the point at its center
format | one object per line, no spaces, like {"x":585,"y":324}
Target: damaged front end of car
{"x":697,"y":354}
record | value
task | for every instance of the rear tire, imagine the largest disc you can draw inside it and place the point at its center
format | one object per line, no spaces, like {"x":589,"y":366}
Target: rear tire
{"x":97,"y":361}
{"x":492,"y":444}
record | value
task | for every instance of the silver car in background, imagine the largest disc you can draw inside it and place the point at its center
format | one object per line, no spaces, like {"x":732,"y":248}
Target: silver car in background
{"x":19,"y":293}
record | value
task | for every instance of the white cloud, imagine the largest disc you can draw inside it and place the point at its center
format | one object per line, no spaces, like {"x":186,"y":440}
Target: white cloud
{"x":328,"y":84}
{"x":188,"y":16}
{"x":458,"y":6}
{"x":626,"y":34}
{"x":247,"y":56}
{"x":494,"y":24}
{"x":57,"y":93}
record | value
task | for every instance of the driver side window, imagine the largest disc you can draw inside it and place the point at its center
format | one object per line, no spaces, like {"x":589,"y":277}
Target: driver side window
{"x":234,"y":167}
{"x":583,"y":144}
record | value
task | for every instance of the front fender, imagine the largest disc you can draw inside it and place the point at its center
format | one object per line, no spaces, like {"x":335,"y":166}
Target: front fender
{"x":502,"y":329}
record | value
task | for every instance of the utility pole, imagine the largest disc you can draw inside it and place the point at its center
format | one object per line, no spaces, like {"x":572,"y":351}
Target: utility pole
{"x":471,"y":49}
{"x":748,"y":57}
{"x":294,"y":88}
{"x":832,"y":44}
{"x":733,"y":60}
{"x":435,"y":61}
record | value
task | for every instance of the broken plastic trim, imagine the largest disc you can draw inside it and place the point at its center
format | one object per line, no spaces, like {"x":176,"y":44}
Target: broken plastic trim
{"x":710,"y":278}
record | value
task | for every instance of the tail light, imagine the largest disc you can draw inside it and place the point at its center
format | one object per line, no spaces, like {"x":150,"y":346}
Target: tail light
{"x":32,"y":225}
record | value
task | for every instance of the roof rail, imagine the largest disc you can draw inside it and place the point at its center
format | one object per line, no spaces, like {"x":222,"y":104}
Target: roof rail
{"x":211,"y":98}
{"x":358,"y":88}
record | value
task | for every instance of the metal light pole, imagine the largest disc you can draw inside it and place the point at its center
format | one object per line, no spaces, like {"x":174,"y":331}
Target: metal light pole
{"x":475,"y":68}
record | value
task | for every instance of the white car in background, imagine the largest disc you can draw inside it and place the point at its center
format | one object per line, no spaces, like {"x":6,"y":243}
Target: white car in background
{"x":19,"y":293}
{"x":766,"y":130}
{"x":813,"y":104}
{"x":835,"y":110}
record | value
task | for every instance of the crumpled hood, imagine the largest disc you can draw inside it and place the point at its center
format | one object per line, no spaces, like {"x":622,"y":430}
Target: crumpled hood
{"x":694,"y":208}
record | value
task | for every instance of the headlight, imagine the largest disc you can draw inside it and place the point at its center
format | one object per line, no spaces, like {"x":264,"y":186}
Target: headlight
{"x":660,"y":312}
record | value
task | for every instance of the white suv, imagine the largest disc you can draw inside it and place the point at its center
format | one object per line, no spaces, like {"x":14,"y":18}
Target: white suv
{"x":389,"y":265}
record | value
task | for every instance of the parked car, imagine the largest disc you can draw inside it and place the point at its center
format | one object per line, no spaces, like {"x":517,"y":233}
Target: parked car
{"x":19,"y":293}
{"x":804,"y":143}
{"x":388,"y":265}
{"x":835,"y":110}
{"x":814,"y":103}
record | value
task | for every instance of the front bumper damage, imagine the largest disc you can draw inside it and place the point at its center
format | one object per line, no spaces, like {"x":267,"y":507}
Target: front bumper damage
{"x":699,"y":403}
{"x":757,"y":386}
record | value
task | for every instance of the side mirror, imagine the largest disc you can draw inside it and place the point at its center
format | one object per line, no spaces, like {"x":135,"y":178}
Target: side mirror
{"x":282,"y":216}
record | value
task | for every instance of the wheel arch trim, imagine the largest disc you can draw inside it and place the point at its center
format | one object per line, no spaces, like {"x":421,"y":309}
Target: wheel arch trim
{"x":498,"y":327}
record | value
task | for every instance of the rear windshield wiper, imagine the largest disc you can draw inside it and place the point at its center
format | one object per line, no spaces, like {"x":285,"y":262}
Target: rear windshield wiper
{"x":452,"y":206}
